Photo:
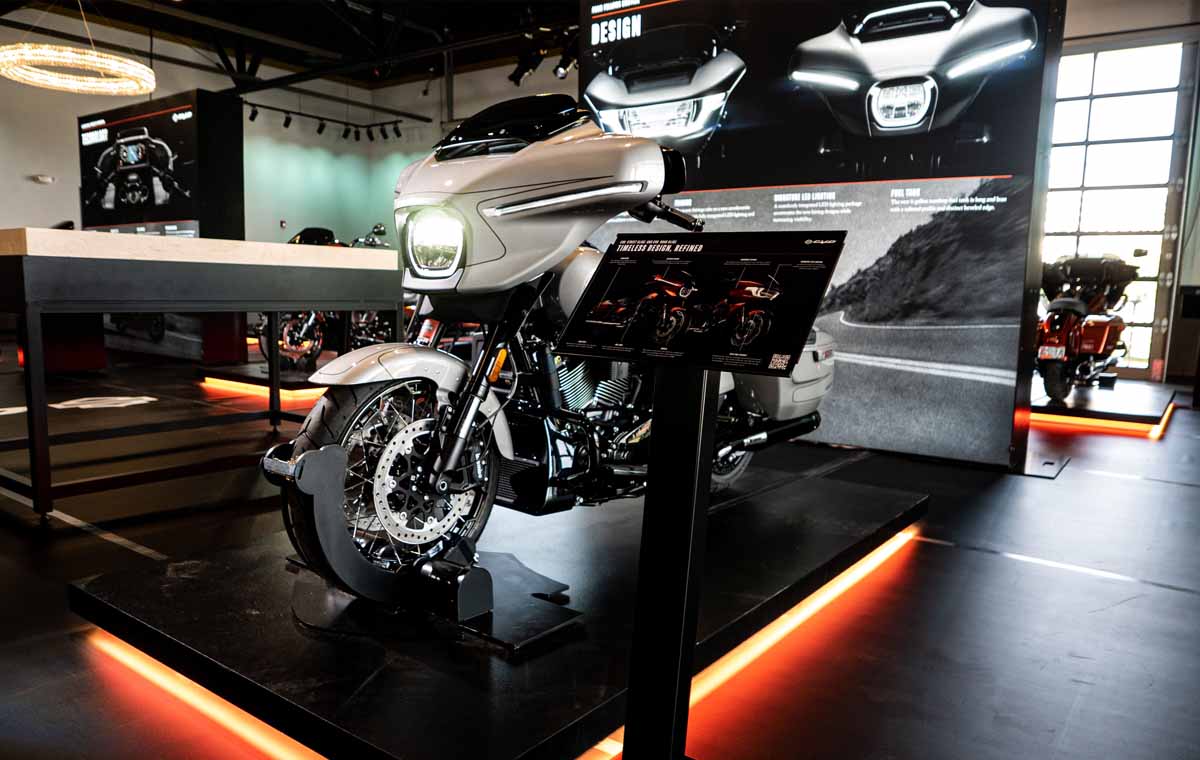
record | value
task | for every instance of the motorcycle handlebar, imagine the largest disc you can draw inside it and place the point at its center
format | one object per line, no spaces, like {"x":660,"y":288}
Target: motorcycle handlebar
{"x":656,"y":209}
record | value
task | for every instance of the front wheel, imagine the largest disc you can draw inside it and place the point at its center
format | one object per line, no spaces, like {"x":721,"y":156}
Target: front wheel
{"x":392,"y":512}
{"x":1056,"y":377}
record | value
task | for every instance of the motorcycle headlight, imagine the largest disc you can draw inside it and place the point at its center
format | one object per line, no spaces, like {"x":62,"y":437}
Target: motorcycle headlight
{"x":895,"y":106}
{"x":675,"y":118}
{"x":434,"y":240}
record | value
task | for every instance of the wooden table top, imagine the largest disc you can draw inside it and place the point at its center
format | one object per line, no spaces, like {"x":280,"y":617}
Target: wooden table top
{"x":37,"y":241}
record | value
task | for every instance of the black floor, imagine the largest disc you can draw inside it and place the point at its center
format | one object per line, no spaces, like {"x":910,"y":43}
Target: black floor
{"x":1034,"y":618}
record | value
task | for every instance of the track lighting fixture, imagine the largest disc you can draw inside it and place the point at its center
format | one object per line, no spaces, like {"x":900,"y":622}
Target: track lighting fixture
{"x":253,"y":113}
{"x":287,"y":120}
{"x":527,"y":63}
{"x":396,"y":130}
{"x":346,"y":132}
{"x":569,"y":59}
{"x":383,"y":132}
{"x":321,"y":127}
{"x":370,"y":134}
{"x":357,"y":135}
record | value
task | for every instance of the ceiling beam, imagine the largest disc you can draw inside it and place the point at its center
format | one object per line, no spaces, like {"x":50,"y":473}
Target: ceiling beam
{"x":196,"y":66}
{"x":225,"y":26}
{"x":392,"y":60}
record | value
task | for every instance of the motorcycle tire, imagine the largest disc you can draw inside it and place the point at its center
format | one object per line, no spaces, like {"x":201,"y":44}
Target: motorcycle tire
{"x":723,"y":480}
{"x":326,"y":424}
{"x":1056,"y":377}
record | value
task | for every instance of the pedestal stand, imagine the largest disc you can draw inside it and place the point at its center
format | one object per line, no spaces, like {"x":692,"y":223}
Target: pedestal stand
{"x":670,"y":563}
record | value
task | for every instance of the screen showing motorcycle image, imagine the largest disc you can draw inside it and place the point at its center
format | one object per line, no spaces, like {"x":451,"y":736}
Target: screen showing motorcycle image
{"x":732,"y":301}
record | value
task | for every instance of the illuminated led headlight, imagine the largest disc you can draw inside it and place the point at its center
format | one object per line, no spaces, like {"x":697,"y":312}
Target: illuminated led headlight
{"x":896,"y":106}
{"x":676,"y":118}
{"x":988,"y":58}
{"x":435,"y":241}
{"x":821,"y":79}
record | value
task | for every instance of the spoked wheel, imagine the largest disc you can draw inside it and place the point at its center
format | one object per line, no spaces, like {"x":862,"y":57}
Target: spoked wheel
{"x":392,"y":512}
{"x":297,"y":348}
{"x":671,"y":322}
{"x":749,"y":328}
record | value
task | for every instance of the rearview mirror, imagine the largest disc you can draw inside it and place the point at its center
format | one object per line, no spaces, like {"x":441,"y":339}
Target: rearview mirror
{"x":379,"y":229}
{"x":1140,"y":252}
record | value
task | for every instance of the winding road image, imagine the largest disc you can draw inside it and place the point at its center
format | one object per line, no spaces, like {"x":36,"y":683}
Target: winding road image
{"x":906,"y":387}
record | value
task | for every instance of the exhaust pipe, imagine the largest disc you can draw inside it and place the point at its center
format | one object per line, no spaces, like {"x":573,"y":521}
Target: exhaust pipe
{"x":781,"y":431}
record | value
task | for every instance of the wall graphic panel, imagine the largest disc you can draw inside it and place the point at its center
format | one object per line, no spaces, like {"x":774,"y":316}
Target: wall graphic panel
{"x":914,"y":125}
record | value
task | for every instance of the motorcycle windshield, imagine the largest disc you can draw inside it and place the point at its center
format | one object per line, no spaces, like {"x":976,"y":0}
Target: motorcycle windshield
{"x":512,"y":125}
{"x":869,"y":21}
{"x":663,"y":57}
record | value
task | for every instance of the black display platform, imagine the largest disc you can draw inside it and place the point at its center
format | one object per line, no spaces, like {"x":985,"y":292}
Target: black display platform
{"x":255,"y":373}
{"x":1127,"y":400}
{"x":418,"y":692}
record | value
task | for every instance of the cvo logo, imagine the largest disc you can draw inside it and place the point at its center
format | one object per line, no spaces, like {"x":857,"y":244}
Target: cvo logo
{"x":179,"y":116}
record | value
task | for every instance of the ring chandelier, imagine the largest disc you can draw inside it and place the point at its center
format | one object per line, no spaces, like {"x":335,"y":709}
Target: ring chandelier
{"x":54,"y":67}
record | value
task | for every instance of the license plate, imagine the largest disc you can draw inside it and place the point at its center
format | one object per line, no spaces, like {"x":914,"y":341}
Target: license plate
{"x":1052,"y":352}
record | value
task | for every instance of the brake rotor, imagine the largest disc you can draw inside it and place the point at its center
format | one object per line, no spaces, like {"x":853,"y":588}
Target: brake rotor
{"x":406,"y":505}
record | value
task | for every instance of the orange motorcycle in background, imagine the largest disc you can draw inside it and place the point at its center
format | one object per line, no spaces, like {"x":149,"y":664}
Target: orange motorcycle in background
{"x":1080,"y":336}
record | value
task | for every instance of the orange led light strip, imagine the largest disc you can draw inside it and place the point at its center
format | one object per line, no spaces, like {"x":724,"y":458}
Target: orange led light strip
{"x":253,"y":389}
{"x":246,"y":727}
{"x":737,"y":659}
{"x":1065,"y":424}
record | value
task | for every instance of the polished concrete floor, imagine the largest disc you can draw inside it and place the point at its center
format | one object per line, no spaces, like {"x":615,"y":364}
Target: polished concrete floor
{"x":1033,"y":618}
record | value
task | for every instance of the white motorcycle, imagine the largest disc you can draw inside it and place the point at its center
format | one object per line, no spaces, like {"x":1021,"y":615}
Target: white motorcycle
{"x":491,"y":229}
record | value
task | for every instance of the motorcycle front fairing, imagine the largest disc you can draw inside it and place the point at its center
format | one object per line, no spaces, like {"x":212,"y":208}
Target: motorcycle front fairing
{"x":671,"y":85}
{"x":911,"y":68}
{"x":524,"y":212}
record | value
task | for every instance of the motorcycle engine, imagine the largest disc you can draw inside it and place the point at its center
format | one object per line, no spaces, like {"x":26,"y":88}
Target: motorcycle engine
{"x":607,"y":394}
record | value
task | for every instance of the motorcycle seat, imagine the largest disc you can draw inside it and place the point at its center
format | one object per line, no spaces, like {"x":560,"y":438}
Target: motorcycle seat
{"x":1069,"y":304}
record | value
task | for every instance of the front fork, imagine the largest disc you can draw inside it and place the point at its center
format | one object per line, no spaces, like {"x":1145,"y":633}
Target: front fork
{"x":456,"y":433}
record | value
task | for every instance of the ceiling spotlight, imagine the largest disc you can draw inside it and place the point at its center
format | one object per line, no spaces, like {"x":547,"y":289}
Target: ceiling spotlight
{"x":370,"y":134}
{"x":396,"y":130}
{"x":346,"y":132}
{"x":321,"y":127}
{"x":527,"y":63}
{"x":287,"y":120}
{"x":253,"y":113}
{"x":357,"y":135}
{"x":383,"y":132}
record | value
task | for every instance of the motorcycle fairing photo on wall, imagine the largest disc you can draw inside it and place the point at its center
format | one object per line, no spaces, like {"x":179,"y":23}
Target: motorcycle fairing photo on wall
{"x":671,"y":85}
{"x":859,"y":90}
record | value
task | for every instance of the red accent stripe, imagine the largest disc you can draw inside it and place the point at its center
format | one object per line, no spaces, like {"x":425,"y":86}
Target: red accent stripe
{"x":633,"y":8}
{"x":139,"y":117}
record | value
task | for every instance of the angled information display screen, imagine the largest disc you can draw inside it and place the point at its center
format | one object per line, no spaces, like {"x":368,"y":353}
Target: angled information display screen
{"x":742,"y":302}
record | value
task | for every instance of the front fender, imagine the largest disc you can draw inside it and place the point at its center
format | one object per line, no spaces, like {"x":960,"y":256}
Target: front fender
{"x":397,"y":361}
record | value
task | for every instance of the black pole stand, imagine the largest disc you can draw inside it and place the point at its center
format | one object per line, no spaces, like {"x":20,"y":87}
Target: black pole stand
{"x":670,"y":565}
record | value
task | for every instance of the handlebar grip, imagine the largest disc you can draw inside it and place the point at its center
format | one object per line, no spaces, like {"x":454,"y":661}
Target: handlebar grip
{"x":680,"y":219}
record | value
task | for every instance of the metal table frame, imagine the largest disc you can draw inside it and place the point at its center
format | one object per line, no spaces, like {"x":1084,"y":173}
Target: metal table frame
{"x":33,"y":286}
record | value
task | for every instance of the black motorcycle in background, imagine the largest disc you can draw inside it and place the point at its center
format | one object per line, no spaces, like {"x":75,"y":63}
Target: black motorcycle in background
{"x":304,"y":335}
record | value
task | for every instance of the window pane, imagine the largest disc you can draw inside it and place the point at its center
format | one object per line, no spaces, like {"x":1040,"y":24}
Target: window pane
{"x":1140,"y":304}
{"x":1123,"y":210}
{"x":1054,"y":246}
{"x":1075,"y":75}
{"x":1066,"y":166}
{"x":1124,"y":246}
{"x":1144,"y":68}
{"x":1138,"y":341}
{"x":1137,"y":163}
{"x":1062,"y":211}
{"x":1071,"y":121}
{"x":1128,"y":116}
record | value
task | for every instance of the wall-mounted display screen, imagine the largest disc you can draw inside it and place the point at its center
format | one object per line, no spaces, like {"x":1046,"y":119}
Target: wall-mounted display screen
{"x":138,"y":164}
{"x":914,"y":125}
